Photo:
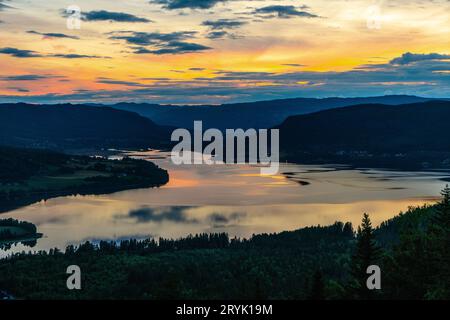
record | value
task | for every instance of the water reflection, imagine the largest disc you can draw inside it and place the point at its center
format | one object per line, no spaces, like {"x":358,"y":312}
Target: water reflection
{"x":5,"y":246}
{"x":159,"y":214}
{"x":230,"y":198}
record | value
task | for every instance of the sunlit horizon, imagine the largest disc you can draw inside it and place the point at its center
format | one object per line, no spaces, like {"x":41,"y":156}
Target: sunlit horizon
{"x":222,"y":51}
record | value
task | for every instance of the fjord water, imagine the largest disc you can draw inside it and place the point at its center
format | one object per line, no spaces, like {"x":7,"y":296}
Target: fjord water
{"x":229,"y":198}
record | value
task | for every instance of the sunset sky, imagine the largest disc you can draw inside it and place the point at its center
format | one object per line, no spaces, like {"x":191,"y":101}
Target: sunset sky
{"x":219,"y":51}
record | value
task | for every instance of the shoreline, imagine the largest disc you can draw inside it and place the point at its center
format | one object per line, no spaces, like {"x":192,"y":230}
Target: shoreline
{"x":31,"y":176}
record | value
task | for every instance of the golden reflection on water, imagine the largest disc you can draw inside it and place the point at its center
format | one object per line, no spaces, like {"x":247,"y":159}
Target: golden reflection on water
{"x":230,"y":198}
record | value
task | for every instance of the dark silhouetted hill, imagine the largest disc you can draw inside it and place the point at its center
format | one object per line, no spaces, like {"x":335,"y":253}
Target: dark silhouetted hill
{"x":75,"y":126}
{"x":260,"y":114}
{"x":410,"y":133}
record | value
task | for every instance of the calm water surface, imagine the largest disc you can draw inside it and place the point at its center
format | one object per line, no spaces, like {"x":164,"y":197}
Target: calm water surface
{"x":231,"y":198}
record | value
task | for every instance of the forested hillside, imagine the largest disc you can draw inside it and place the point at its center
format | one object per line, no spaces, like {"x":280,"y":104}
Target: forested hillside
{"x":68,"y":126}
{"x":411,"y":135}
{"x":30,"y":175}
{"x":311,"y":263}
{"x":258,"y":114}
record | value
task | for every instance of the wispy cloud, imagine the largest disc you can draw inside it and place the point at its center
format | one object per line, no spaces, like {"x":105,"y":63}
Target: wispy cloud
{"x":179,"y":47}
{"x":293,"y":65}
{"x":191,"y":4}
{"x":196,"y":69}
{"x":160,"y":43}
{"x":103,"y":15}
{"x":20,"y":53}
{"x":217,"y":34}
{"x":18,"y":89}
{"x":26,"y":77}
{"x":78,"y":56}
{"x":119,"y":82}
{"x":223,"y":24}
{"x":4,"y":6}
{"x":52,"y":35}
{"x":284,"y":11}
{"x":151,"y":38}
{"x":218,"y":28}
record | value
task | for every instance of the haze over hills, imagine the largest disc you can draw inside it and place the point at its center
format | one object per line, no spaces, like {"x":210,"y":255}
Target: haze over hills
{"x":408,"y":135}
{"x":259,"y":114}
{"x":68,"y":126}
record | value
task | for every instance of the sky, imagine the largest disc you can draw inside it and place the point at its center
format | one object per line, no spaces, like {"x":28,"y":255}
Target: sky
{"x":221,"y":51}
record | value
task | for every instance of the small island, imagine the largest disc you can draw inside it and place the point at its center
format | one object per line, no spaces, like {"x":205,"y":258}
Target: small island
{"x":12,"y":230}
{"x":28,"y":176}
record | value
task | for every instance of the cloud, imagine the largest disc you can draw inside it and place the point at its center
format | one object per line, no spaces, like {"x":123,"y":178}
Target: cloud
{"x":19,"y":53}
{"x":119,"y":82}
{"x":142,"y":50}
{"x":52,"y":35}
{"x":160,"y":43}
{"x":217,"y":34}
{"x":293,"y":65}
{"x":281,"y":11}
{"x":4,"y":6}
{"x":223,"y":24}
{"x":25,"y":77}
{"x":408,"y":58}
{"x":172,"y":214}
{"x":77,"y":56}
{"x":103,"y":15}
{"x":179,"y":47}
{"x":196,"y":69}
{"x":187,"y":4}
{"x":151,"y":38}
{"x":427,"y":78}
{"x":18,"y":89}
{"x":218,"y":28}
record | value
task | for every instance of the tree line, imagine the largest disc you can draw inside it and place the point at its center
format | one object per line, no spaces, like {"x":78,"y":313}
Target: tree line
{"x":320,"y":262}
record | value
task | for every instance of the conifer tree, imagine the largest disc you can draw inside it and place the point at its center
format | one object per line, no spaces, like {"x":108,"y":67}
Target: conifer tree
{"x":438,"y":248}
{"x":367,"y":253}
{"x":442,"y":217}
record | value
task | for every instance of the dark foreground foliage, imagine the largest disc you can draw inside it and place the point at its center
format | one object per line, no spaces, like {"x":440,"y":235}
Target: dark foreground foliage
{"x":311,"y":263}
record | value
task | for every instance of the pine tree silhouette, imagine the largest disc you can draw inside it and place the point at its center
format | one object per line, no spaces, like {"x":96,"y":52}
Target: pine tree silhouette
{"x":442,"y":216}
{"x":367,"y":253}
{"x":438,"y":247}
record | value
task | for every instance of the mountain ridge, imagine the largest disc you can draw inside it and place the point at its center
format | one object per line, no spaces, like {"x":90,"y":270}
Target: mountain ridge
{"x":257,"y":114}
{"x":67,"y":126}
{"x":367,"y":134}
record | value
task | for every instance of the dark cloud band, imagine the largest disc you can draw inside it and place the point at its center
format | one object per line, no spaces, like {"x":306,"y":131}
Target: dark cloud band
{"x":20,"y":53}
{"x":281,"y":11}
{"x":52,"y":35}
{"x":187,"y":4}
{"x":103,"y":15}
{"x":409,"y":57}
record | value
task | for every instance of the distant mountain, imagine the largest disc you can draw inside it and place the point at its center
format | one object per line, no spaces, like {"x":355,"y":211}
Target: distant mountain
{"x":410,"y":135}
{"x":68,"y":126}
{"x":260,"y":114}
